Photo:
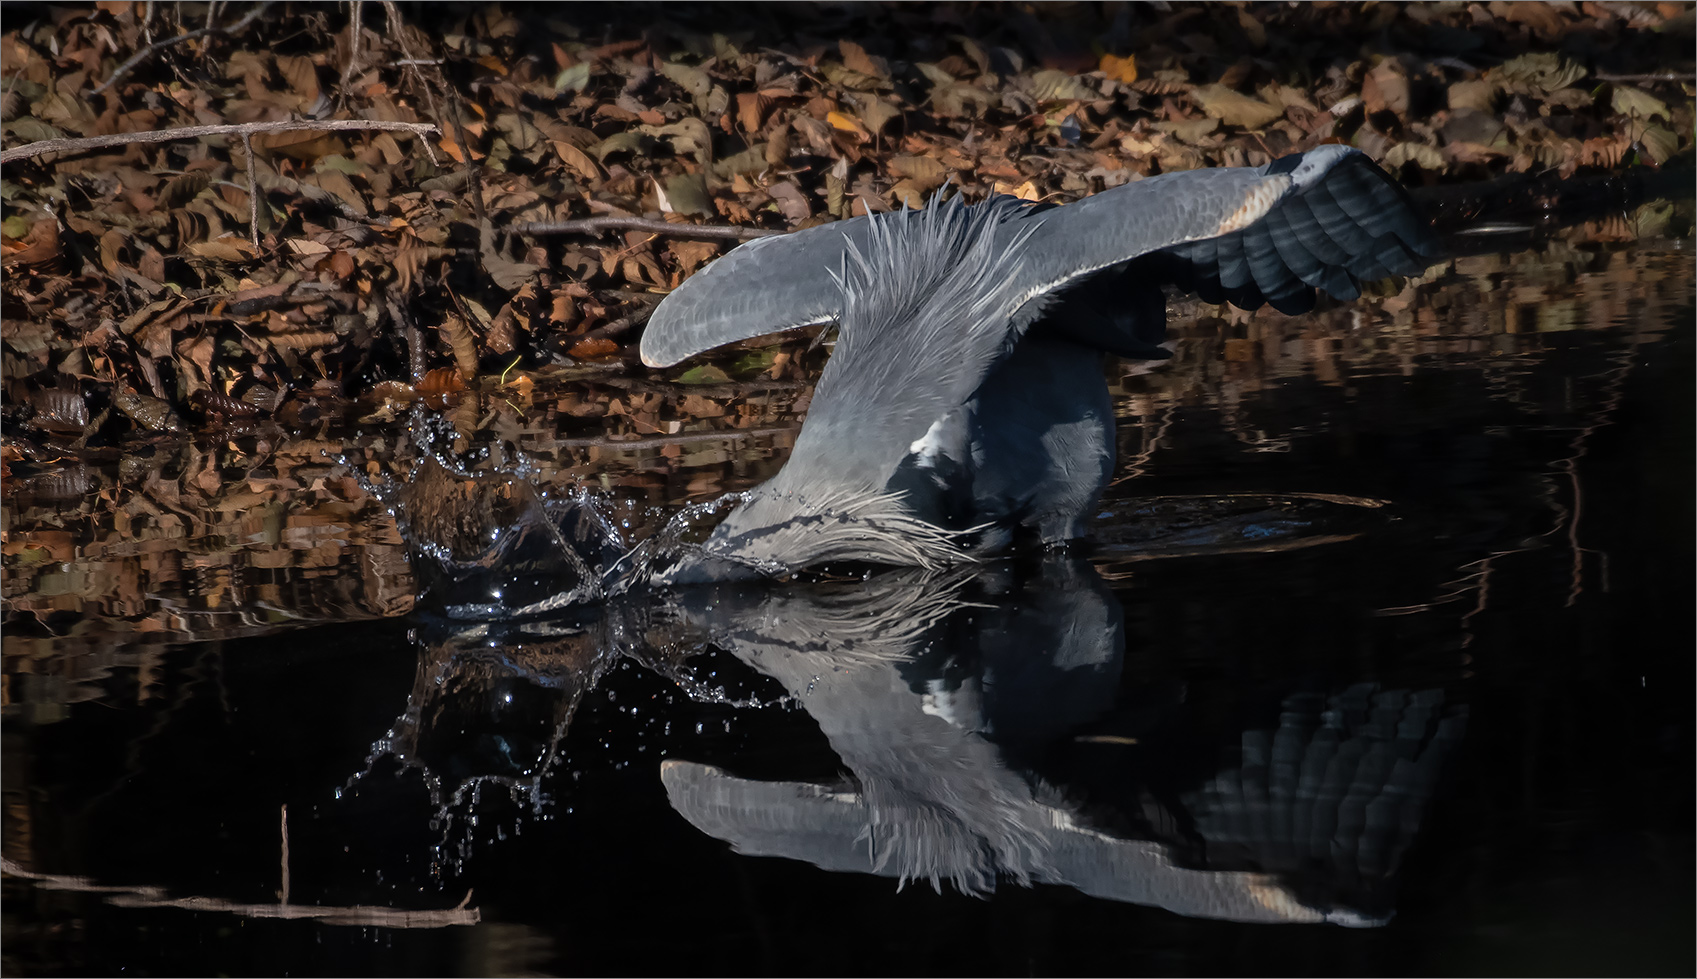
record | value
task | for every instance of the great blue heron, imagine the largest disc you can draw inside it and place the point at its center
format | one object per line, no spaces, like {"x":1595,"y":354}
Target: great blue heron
{"x":964,"y":401}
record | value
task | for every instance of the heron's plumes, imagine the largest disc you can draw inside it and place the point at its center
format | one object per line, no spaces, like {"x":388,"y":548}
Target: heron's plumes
{"x":925,"y":308}
{"x":792,"y":530}
{"x":970,"y":826}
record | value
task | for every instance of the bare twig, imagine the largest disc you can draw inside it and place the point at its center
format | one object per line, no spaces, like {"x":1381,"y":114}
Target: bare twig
{"x":414,"y":339}
{"x":591,"y":226}
{"x":252,"y":191}
{"x":620,"y":326}
{"x":363,"y":916}
{"x":246,"y":129}
{"x":398,"y":29}
{"x":283,"y":897}
{"x":354,"y":31}
{"x":681,"y":438}
{"x":142,"y":55}
{"x":1667,"y":76}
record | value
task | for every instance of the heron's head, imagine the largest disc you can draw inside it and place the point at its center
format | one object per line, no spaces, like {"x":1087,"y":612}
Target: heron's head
{"x":778,"y":531}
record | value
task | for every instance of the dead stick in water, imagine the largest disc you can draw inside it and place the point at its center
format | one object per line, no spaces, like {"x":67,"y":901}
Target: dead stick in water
{"x":245,"y":130}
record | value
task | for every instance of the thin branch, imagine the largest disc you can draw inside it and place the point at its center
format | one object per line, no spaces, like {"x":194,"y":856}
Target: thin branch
{"x":252,"y":191}
{"x":354,"y":31}
{"x":144,"y":896}
{"x":681,"y":438}
{"x":246,"y":129}
{"x":1670,"y":76}
{"x":591,"y":226}
{"x":398,"y":29}
{"x":140,"y":56}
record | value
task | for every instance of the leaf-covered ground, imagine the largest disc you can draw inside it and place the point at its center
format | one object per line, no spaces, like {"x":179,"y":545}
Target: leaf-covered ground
{"x":146,"y":291}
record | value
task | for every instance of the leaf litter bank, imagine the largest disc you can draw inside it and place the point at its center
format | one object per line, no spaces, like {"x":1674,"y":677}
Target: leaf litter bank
{"x":149,"y":294}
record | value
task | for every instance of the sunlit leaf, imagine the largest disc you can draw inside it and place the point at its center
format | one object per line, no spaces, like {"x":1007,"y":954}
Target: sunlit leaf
{"x":704,"y":374}
{"x":1235,"y":108}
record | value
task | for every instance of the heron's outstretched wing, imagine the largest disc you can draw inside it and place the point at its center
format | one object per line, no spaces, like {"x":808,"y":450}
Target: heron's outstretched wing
{"x":763,"y":286}
{"x":1324,"y":219}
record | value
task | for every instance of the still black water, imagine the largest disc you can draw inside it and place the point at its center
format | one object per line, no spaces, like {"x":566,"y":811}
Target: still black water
{"x":1385,"y":635}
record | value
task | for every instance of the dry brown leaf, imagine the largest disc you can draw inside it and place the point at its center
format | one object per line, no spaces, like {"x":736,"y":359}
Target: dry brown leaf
{"x":1476,"y":95}
{"x":877,"y":113}
{"x":229,"y":249}
{"x":856,"y":59}
{"x":921,"y":172}
{"x":39,"y":247}
{"x":751,"y":110}
{"x":442,"y":380}
{"x":696,"y":406}
{"x":791,"y":201}
{"x":459,"y":337}
{"x":1235,"y":108}
{"x":690,"y":254}
{"x":1385,"y":88}
{"x":1423,"y":156}
{"x":592,"y":347}
{"x":1639,"y":104}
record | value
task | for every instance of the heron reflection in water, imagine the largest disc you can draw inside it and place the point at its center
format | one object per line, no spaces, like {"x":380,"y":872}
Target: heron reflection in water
{"x":964,"y":404}
{"x":986,"y":734}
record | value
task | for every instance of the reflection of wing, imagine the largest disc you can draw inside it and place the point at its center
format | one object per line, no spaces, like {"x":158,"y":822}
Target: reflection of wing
{"x":842,"y":831}
{"x":1333,"y":798}
{"x":1319,"y":220}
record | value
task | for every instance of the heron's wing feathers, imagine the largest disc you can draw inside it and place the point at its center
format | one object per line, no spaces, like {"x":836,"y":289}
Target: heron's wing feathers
{"x":763,"y":286}
{"x":1325,"y":219}
{"x":777,"y":283}
{"x":1346,"y":224}
{"x":1334,"y":221}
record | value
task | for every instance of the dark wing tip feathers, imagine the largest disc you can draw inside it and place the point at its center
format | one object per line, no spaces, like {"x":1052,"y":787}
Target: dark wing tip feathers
{"x":1348,"y":224}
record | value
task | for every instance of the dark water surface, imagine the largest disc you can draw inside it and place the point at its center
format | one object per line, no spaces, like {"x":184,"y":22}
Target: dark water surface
{"x":1387,"y":623}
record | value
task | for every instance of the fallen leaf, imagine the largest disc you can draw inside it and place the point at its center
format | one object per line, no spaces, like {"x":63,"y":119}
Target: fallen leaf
{"x":306,"y":247}
{"x":1235,"y":108}
{"x":705,"y":374}
{"x":1639,"y":104}
{"x":1660,"y":144}
{"x":847,"y":123}
{"x":579,"y":161}
{"x":1479,"y":96}
{"x":687,"y":193}
{"x":877,"y":113}
{"x":856,"y":59}
{"x":1543,"y":71}
{"x":1426,"y":157}
{"x":442,"y":380}
{"x":923,"y":172}
{"x":592,"y":347}
{"x":1058,"y":86}
{"x":1119,"y":69}
{"x":791,"y":201}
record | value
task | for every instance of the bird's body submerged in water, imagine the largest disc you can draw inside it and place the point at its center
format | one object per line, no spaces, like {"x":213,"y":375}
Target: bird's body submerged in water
{"x":964,"y":402}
